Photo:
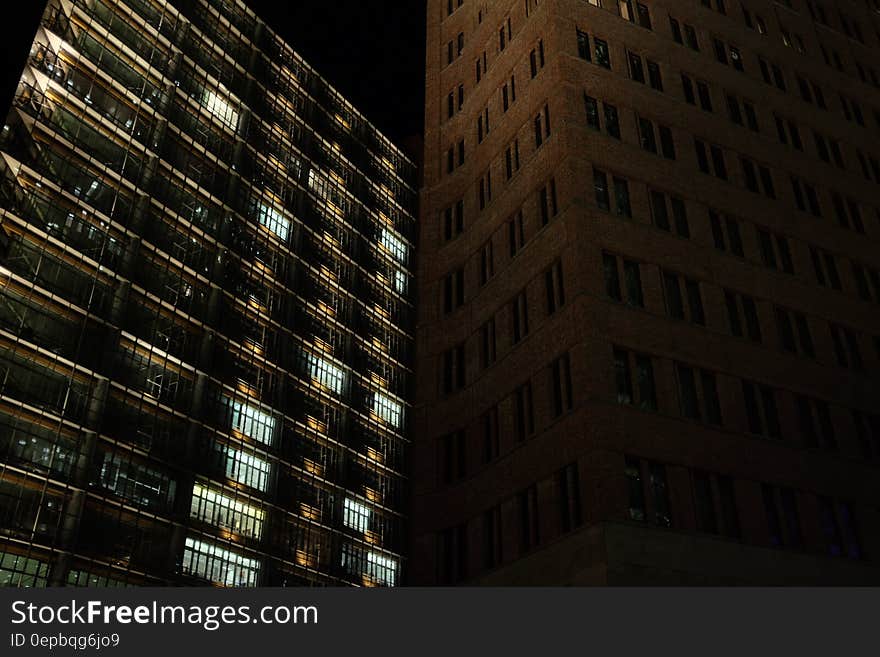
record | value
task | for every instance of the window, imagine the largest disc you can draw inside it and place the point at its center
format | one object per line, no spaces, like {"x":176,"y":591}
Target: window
{"x":631,"y":284}
{"x":868,"y":433}
{"x":783,"y":522}
{"x":775,"y":251}
{"x":704,"y":501}
{"x":846,"y":347}
{"x":794,"y":333}
{"x":492,"y":554}
{"x":600,"y":185}
{"x":583,"y":45}
{"x":847,"y":213}
{"x":637,"y":508}
{"x":667,"y":144}
{"x":691,"y":37}
{"x":215,"y":564}
{"x":725,"y":233}
{"x":568,"y":484}
{"x":714,"y":493}
{"x":524,"y":418}
{"x":687,"y":87}
{"x":221,"y":109}
{"x":675,"y":302}
{"x":511,"y":159}
{"x":621,"y":197}
{"x":676,"y":30}
{"x":491,"y":443}
{"x":508,"y":93}
{"x":274,"y":220}
{"x":646,"y":392}
{"x":733,"y":302}
{"x":718,"y":164}
{"x":451,"y":462}
{"x":646,"y":135}
{"x":704,"y":95}
{"x":542,"y":127}
{"x":519,"y":317}
{"x":536,"y":58}
{"x":698,"y":394}
{"x":453,"y":221}
{"x":561,"y":385}
{"x":813,"y":413}
{"x":356,"y":515}
{"x":612,"y":125}
{"x":635,"y":67}
{"x":554,"y":287}
{"x":226,"y":513}
{"x":592,"y":109}
{"x":324,"y":373}
{"x":527,"y":501}
{"x":825,"y":268}
{"x":488,"y":352}
{"x":603,"y":54}
{"x":839,"y":527}
{"x":487,"y":262}
{"x":660,"y":494}
{"x":516,"y":233}
{"x":867,"y":282}
{"x":484,"y":192}
{"x":390,"y":411}
{"x":252,"y":422}
{"x":547,"y":202}
{"x":453,"y":291}
{"x":453,"y":369}
{"x":655,"y":78}
{"x":482,"y":125}
{"x":761,"y":412}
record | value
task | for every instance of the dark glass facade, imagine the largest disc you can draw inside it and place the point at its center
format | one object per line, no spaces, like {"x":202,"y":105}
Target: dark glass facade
{"x":205,"y":310}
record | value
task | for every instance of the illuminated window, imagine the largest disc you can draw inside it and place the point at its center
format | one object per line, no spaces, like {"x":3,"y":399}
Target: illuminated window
{"x":399,"y":282}
{"x":388,"y":409}
{"x":395,"y":245}
{"x":246,"y":469}
{"x":216,"y":564}
{"x":272,"y":219}
{"x":373,"y":565}
{"x":381,"y":568}
{"x":356,"y":515}
{"x":252,"y":422}
{"x":22,"y":572}
{"x":226,"y":513}
{"x":326,"y":373}
{"x":220,"y":109}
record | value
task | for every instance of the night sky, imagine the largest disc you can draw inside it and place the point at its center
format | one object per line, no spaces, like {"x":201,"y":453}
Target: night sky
{"x":372,"y":51}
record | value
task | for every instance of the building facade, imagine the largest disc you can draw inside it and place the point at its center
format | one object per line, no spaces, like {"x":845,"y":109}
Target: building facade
{"x":649,"y":337}
{"x":206,"y":302}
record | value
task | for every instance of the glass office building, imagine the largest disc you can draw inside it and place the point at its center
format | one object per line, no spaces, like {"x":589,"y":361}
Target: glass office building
{"x":205,"y":310}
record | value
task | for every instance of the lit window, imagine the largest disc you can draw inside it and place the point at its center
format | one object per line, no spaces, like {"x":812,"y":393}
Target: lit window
{"x":272,"y":219}
{"x":246,"y":469}
{"x":252,"y":422}
{"x":356,"y":515}
{"x":326,"y":373}
{"x":387,"y":409}
{"x":395,"y":245}
{"x":382,"y":569}
{"x":215,"y":564}
{"x":226,"y":513}
{"x":373,"y":565}
{"x":220,"y":109}
{"x":399,"y":282}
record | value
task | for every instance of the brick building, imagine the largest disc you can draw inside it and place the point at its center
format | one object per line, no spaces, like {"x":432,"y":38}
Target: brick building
{"x":649,"y":338}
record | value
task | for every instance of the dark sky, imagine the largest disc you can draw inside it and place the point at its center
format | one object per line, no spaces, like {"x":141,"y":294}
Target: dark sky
{"x":372,"y":51}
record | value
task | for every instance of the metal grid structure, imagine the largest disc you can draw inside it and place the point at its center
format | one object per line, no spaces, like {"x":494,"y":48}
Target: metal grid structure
{"x":205,"y":309}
